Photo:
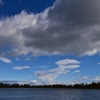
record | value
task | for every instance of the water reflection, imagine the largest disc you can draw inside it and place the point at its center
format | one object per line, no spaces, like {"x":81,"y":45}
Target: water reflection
{"x":49,"y":94}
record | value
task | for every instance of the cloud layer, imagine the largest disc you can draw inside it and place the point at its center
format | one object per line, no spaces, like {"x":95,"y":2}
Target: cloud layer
{"x":1,"y":2}
{"x":21,"y":67}
{"x":70,"y":26}
{"x":64,"y":66}
{"x":5,"y":60}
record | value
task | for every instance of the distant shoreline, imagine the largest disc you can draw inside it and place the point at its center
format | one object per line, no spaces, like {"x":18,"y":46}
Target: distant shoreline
{"x":75,"y":86}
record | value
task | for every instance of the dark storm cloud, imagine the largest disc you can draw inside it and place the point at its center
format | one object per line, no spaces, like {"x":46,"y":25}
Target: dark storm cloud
{"x":76,"y":12}
{"x":70,"y":26}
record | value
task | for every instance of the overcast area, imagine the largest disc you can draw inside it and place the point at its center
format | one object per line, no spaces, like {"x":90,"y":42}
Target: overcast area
{"x":69,"y":26}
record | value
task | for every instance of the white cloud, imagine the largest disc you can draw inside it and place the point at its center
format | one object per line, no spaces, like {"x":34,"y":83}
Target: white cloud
{"x":90,"y":52}
{"x":5,"y":60}
{"x":96,"y":79}
{"x":35,"y":82}
{"x":21,"y":67}
{"x":32,"y":82}
{"x":85,"y":77}
{"x":70,"y":66}
{"x":76,"y":71}
{"x":67,"y":61}
{"x":99,"y":63}
{"x":52,"y":74}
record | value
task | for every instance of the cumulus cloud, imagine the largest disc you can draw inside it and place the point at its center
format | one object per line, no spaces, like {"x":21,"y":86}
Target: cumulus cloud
{"x":52,"y":74}
{"x":35,"y":82}
{"x":69,"y":26}
{"x":21,"y":67}
{"x":5,"y":60}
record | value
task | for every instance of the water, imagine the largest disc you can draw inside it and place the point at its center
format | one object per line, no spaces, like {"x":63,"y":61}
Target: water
{"x":49,"y":94}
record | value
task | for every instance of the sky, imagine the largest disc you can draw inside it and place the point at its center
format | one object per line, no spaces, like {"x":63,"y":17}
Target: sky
{"x":50,"y":41}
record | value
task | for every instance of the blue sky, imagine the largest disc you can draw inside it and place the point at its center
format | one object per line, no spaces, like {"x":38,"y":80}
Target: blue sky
{"x":50,"y":41}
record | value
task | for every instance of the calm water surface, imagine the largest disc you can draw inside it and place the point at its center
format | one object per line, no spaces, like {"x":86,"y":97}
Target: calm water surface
{"x":49,"y":94}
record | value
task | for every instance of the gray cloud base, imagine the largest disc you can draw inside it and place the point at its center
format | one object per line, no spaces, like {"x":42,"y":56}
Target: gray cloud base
{"x":70,"y":26}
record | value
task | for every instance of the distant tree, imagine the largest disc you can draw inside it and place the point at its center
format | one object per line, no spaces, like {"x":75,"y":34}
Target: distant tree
{"x":76,"y":86}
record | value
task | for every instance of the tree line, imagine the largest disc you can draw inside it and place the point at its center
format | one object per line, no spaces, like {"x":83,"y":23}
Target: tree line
{"x":75,"y":86}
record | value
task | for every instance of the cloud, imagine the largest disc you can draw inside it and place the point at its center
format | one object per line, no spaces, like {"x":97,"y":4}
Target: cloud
{"x":52,"y":74}
{"x":35,"y":82}
{"x":76,"y":71}
{"x":67,"y":61}
{"x":1,"y":2}
{"x":85,"y":77}
{"x":69,"y":26}
{"x":32,"y":82}
{"x":5,"y":60}
{"x":41,"y":67}
{"x":82,"y":79}
{"x":21,"y":67}
{"x":96,"y":79}
{"x":99,"y":63}
{"x":18,"y":59}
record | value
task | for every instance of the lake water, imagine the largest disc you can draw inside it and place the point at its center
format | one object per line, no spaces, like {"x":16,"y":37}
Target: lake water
{"x":49,"y":94}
